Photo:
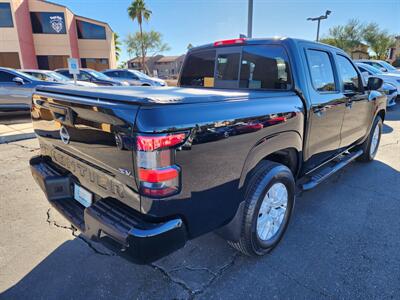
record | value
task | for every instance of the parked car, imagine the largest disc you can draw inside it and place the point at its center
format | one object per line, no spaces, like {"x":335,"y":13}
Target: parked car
{"x":93,"y":76}
{"x":391,"y":94}
{"x":47,"y":75}
{"x":381,"y":65}
{"x":368,"y":70}
{"x":16,"y":89}
{"x":134,"y":77}
{"x":300,"y":111}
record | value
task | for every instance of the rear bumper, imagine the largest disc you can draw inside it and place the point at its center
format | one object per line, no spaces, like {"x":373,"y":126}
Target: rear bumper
{"x":109,"y":221}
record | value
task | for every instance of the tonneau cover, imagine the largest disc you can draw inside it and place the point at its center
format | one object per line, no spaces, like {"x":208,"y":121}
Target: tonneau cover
{"x":157,"y":95}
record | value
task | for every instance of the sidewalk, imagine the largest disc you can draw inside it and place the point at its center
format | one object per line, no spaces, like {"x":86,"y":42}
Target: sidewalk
{"x":16,"y":132}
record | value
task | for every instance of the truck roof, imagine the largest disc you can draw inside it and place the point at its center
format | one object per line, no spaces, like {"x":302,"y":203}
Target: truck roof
{"x":273,"y":40}
{"x":149,"y":95}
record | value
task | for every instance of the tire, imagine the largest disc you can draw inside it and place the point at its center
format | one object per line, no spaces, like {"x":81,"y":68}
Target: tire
{"x":267,"y":178}
{"x":368,"y":153}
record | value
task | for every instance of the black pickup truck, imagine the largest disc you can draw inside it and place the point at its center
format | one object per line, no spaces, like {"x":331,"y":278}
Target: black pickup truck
{"x":252,"y":123}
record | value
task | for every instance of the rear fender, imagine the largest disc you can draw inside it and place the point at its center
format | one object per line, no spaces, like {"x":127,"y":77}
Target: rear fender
{"x":267,"y":146}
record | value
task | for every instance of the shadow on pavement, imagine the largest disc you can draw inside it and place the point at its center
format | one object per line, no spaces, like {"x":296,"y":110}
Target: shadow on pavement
{"x":14,"y":118}
{"x":342,"y":242}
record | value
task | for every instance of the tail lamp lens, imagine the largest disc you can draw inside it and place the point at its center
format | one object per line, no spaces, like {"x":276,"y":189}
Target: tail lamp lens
{"x":152,"y":143}
{"x":158,"y":175}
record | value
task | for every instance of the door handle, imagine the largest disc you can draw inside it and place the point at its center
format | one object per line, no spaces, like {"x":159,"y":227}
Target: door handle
{"x":62,"y":114}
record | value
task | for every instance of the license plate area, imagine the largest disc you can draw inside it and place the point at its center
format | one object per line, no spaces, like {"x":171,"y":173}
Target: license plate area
{"x":82,"y":195}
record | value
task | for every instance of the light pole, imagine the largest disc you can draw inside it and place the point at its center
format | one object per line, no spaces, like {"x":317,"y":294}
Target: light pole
{"x":327,"y":13}
{"x":250,"y":19}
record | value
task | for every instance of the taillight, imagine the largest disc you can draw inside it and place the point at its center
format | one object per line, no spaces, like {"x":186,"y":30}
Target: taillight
{"x":230,"y":42}
{"x":157,"y":173}
{"x":151,"y":143}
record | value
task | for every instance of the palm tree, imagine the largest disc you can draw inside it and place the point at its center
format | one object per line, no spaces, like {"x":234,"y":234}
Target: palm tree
{"x":138,"y":11}
{"x":117,"y":45}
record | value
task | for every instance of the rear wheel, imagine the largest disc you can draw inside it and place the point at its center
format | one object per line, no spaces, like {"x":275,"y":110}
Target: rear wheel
{"x":269,"y":202}
{"x":371,"y":144}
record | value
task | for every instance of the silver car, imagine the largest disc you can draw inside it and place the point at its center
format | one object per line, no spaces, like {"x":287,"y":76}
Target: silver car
{"x":134,"y":77}
{"x":47,"y":75}
{"x":380,"y":64}
{"x":16,"y":89}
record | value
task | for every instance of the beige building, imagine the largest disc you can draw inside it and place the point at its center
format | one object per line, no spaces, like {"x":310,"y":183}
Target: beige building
{"x":159,"y":65}
{"x":42,"y":34}
{"x":360,"y":52}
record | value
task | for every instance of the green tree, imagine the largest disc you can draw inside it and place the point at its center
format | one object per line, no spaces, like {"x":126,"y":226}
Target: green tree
{"x":189,"y":46}
{"x":122,"y":65}
{"x":138,"y":11}
{"x":378,"y":40}
{"x":346,"y":37}
{"x":117,"y":45}
{"x":145,"y":43}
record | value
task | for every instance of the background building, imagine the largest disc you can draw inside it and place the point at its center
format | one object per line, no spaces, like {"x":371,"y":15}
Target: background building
{"x":41,"y":34}
{"x":162,"y":66}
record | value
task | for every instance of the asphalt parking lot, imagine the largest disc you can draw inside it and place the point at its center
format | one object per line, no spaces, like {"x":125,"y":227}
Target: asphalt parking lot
{"x":343,"y":242}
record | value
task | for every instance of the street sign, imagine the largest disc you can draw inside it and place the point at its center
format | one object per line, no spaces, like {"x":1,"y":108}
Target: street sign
{"x":73,"y":66}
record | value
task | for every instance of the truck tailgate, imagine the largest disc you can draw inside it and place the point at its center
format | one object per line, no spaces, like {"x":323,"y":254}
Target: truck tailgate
{"x":91,"y":139}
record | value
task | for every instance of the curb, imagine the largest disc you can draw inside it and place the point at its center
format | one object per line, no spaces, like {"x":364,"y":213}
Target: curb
{"x":17,"y":137}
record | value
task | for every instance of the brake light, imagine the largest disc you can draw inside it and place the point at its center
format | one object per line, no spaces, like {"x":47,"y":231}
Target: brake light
{"x":157,"y":173}
{"x":230,"y":42}
{"x":152,"y":143}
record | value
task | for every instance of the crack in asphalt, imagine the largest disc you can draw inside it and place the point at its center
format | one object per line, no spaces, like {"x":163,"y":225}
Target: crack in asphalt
{"x":31,"y":149}
{"x":185,"y":286}
{"x":73,"y":230}
{"x":389,"y":144}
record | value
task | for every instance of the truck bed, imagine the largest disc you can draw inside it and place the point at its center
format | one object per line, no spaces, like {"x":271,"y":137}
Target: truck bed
{"x":158,"y":95}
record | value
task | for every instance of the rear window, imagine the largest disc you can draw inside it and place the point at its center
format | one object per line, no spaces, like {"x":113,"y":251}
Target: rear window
{"x":248,"y":67}
{"x":199,"y":69}
{"x":228,"y":66}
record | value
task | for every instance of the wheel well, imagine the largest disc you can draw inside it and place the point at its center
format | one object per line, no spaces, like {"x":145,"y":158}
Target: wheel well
{"x":146,"y":84}
{"x":288,"y":157}
{"x":381,"y":113}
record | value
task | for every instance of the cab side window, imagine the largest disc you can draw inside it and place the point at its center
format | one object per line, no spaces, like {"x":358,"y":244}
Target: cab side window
{"x":321,"y":71}
{"x":349,"y":76}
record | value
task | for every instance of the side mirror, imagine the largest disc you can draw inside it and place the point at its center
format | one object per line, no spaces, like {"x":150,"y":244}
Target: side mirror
{"x":18,"y":80}
{"x":374,"y":83}
{"x":383,"y":69}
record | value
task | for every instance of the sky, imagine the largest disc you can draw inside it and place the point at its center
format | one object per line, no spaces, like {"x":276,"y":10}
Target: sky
{"x":203,"y":21}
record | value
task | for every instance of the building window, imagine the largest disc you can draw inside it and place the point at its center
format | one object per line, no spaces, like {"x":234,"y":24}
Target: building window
{"x":5,"y":15}
{"x":90,"y":31}
{"x":49,"y":23}
{"x":10,"y":60}
{"x":97,"y":64}
{"x":52,"y":62}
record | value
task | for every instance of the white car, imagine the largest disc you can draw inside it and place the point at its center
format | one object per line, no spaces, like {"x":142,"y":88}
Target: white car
{"x":367,"y":71}
{"x":47,"y":75}
{"x":380,"y":64}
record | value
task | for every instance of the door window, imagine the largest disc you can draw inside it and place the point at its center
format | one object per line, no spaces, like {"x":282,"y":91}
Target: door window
{"x":126,"y":74}
{"x":83,"y":77}
{"x":264,"y":67}
{"x":6,"y":77}
{"x":321,"y":71}
{"x":349,"y":75}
